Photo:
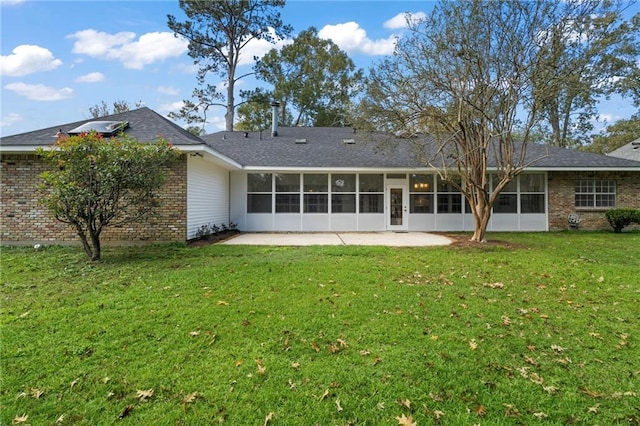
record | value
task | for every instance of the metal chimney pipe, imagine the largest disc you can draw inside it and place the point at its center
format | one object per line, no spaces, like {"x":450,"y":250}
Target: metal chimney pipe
{"x":274,"y":118}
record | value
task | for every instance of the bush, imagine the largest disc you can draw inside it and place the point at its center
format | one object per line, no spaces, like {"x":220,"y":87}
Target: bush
{"x":621,"y":218}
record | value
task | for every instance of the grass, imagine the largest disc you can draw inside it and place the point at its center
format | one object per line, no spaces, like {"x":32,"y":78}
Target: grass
{"x":541,"y":331}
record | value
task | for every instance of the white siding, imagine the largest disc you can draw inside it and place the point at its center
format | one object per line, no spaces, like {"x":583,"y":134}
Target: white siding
{"x":207,"y":195}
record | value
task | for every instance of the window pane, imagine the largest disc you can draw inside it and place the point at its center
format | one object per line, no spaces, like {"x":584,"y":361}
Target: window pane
{"x":532,"y":182}
{"x":421,"y":203}
{"x":371,"y":203}
{"x":532,"y":203}
{"x":343,"y":203}
{"x":287,"y":182}
{"x":316,"y":203}
{"x":449,"y":203}
{"x":371,"y":183}
{"x":343,"y":183}
{"x":510,"y":187}
{"x":259,"y":182}
{"x":287,"y":203}
{"x":446,"y":186}
{"x":316,"y":183}
{"x":258,"y":203}
{"x":584,"y":200}
{"x":421,"y":183}
{"x":506,"y":203}
{"x":605,"y":200}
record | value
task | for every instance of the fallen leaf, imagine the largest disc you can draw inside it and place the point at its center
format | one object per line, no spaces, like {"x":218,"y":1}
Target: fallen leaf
{"x":405,"y":403}
{"x":295,"y":365}
{"x":238,"y":362}
{"x":438,"y":414}
{"x":262,"y":370}
{"x":405,"y":421}
{"x":377,"y":360}
{"x":473,"y":344}
{"x":126,"y":411}
{"x":144,"y":395}
{"x":365,"y":352}
{"x":494,"y":285}
{"x":601,"y":279}
{"x":558,"y":348}
{"x":540,"y":415}
{"x":338,"y":406}
{"x":20,"y":419}
{"x":36,"y":393}
{"x":480,"y":411}
{"x":190,"y":398}
{"x":268,"y":418}
{"x":593,"y":409}
{"x":60,"y":419}
{"x":223,"y":303}
{"x":550,"y":389}
{"x":194,"y":333}
{"x":315,"y":346}
{"x":324,"y":395}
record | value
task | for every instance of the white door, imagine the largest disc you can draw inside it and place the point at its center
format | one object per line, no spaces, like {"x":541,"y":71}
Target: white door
{"x":397,"y":207}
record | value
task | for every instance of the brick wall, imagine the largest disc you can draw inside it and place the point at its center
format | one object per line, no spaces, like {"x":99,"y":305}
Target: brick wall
{"x":562,"y":197}
{"x":24,"y":220}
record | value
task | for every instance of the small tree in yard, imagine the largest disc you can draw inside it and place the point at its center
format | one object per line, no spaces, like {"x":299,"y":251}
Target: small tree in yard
{"x":96,"y":182}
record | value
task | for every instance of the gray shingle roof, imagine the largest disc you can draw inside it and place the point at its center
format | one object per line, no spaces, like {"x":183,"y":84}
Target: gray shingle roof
{"x":630,"y":151}
{"x":325,"y":148}
{"x":145,"y":125}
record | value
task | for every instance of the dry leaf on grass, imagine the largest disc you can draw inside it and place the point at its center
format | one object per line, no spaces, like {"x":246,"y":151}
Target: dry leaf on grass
{"x":20,"y":419}
{"x":268,"y":418}
{"x":338,"y":406}
{"x":144,"y":395}
{"x":190,"y":398}
{"x":405,"y":421}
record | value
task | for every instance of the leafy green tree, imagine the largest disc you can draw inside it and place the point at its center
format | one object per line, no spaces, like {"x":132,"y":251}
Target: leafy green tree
{"x":313,"y":77}
{"x":255,"y":113}
{"x":590,"y":51}
{"x":96,"y":182}
{"x":464,"y":77}
{"x":218,"y":32}
{"x":615,"y":135}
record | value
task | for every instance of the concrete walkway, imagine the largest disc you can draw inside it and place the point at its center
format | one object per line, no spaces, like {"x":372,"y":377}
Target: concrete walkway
{"x":395,"y":239}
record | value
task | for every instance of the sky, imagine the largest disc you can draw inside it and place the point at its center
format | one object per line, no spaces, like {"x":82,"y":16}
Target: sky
{"x":60,"y":58}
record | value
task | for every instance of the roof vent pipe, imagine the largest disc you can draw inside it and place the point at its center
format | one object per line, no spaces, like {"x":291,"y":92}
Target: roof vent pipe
{"x":274,"y":118}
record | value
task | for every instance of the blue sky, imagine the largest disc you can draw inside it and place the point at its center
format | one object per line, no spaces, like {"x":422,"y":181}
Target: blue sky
{"x":59,"y":58}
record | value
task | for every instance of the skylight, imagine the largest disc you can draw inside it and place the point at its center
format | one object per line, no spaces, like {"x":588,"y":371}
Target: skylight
{"x":106,"y":128}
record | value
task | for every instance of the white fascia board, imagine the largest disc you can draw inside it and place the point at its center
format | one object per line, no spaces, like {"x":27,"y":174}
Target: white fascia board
{"x":21,"y":149}
{"x":584,"y":169}
{"x":336,"y":169}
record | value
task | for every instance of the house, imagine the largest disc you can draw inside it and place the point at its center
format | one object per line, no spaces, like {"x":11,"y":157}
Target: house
{"x":315,"y":180}
{"x":630,"y":151}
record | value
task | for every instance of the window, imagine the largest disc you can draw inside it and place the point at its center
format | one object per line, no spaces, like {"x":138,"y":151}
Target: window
{"x":449,"y":198}
{"x":287,"y":193}
{"x":316,"y":195}
{"x":343,"y":193}
{"x":507,"y":201}
{"x":371,"y":193}
{"x":259,"y":193}
{"x":421,"y":193}
{"x":594,"y":193}
{"x":532,"y":190}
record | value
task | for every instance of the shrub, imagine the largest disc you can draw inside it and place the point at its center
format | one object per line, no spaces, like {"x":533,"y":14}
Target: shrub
{"x":621,"y":218}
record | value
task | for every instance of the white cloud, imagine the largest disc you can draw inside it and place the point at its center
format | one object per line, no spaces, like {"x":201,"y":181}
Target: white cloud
{"x":352,"y":38}
{"x":10,"y":119}
{"x":11,"y":2}
{"x":259,"y":48}
{"x":400,"y":20}
{"x":39,"y":92}
{"x":168,"y":90}
{"x":92,"y":77}
{"x":134,"y":54}
{"x":28,"y":59}
{"x":170,"y":107}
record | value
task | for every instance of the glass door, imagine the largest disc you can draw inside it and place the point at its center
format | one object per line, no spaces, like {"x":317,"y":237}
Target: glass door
{"x":397,"y":201}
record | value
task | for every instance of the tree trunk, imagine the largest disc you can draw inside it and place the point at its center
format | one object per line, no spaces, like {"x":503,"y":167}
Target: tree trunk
{"x":228,"y":116}
{"x":481,"y":217}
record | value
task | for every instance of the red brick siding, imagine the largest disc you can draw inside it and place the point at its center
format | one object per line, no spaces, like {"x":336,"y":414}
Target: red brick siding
{"x":562,"y":197}
{"x":24,"y":220}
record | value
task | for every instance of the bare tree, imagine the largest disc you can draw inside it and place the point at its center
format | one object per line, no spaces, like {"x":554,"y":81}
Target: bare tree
{"x":464,"y":76}
{"x":218,"y":32}
{"x":119,"y":106}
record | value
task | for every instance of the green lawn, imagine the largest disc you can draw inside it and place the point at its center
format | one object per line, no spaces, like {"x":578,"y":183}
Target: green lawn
{"x":543,"y":331}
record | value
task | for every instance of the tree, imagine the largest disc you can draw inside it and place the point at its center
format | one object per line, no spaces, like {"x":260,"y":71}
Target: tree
{"x":255,"y":113}
{"x":218,"y":32}
{"x":464,"y":77}
{"x":313,"y":77}
{"x":615,"y":135}
{"x":96,"y":182}
{"x":591,"y":51}
{"x":119,"y":106}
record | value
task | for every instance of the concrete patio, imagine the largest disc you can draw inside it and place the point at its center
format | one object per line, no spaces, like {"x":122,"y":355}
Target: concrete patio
{"x":394,"y":239}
